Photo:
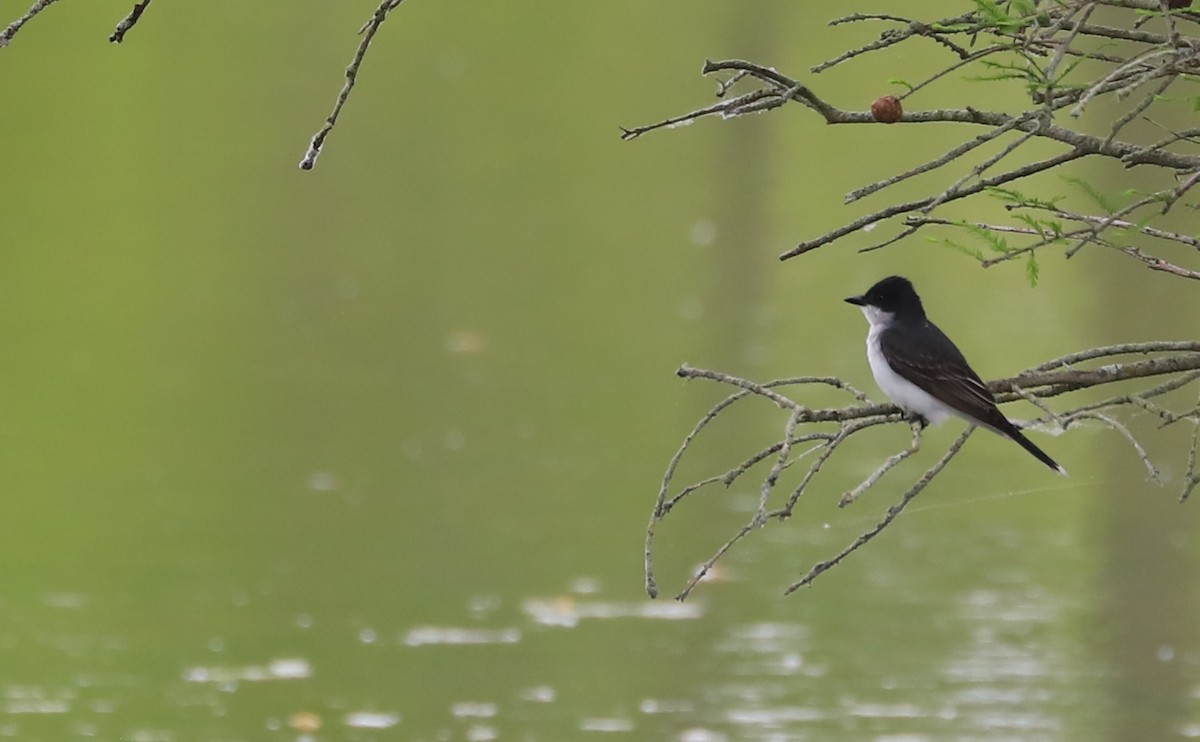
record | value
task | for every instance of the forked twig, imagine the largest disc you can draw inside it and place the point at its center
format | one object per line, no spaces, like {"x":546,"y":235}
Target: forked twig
{"x":821,"y":567}
{"x":887,"y":466}
{"x":1179,"y":361}
{"x":1040,"y":47}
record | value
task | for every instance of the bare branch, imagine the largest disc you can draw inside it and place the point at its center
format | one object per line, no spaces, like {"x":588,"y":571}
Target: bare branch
{"x":887,"y":466}
{"x":1030,"y":47}
{"x":368,"y":33}
{"x":821,"y":567}
{"x":1158,"y":264}
{"x":12,"y":28}
{"x":1192,"y":475}
{"x":129,"y":21}
{"x":1151,"y":470}
{"x":1179,"y":361}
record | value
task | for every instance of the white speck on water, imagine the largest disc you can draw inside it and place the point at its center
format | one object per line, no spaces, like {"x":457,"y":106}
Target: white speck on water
{"x":539,"y":694}
{"x":658,"y":706}
{"x":367,"y":635}
{"x":473,"y":709}
{"x":481,"y":605}
{"x":773,"y":717}
{"x":691,"y":309}
{"x":371,"y":720}
{"x":886,"y":711}
{"x":64,"y":600}
{"x":322,"y":481}
{"x":585,"y":585}
{"x":444,"y":635}
{"x":481,"y":733}
{"x":613,"y":724}
{"x":227,"y":678}
{"x":566,"y":611}
{"x":704,"y":232}
{"x":289,"y":669}
{"x":304,"y":621}
{"x":36,"y":706}
{"x":454,"y":440}
{"x":791,"y":662}
{"x":700,"y":734}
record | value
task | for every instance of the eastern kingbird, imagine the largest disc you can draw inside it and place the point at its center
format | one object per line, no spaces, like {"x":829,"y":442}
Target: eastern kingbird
{"x":923,"y":373}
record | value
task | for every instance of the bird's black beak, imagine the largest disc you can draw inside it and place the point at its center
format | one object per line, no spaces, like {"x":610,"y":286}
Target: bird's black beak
{"x":857,"y":301}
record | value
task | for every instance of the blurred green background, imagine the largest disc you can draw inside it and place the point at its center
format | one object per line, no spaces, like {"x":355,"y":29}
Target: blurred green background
{"x":367,"y":452}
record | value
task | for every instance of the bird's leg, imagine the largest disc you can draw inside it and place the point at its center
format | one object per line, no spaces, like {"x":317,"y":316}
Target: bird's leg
{"x":918,"y":422}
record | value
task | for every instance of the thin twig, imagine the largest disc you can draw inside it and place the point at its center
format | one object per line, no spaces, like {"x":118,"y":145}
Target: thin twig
{"x":1180,"y":360}
{"x":1111,"y":422}
{"x":129,"y":21}
{"x":781,"y":461}
{"x":887,"y":466}
{"x":820,"y":567}
{"x":1192,"y":474}
{"x":1025,"y":48}
{"x":368,"y":33}
{"x":12,"y":28}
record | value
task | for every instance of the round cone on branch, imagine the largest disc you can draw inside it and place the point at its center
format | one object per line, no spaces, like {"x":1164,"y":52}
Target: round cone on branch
{"x":887,"y":109}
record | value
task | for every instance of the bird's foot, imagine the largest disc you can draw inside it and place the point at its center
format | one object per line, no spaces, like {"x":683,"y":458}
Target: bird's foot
{"x":918,"y":422}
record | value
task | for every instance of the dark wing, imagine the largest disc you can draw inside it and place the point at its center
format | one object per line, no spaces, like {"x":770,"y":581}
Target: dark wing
{"x":927,"y":358}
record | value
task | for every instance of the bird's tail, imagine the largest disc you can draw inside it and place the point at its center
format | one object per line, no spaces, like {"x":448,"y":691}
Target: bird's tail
{"x":1019,"y":437}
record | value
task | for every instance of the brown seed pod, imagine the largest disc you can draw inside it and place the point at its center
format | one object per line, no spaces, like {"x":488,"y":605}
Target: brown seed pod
{"x":887,"y":109}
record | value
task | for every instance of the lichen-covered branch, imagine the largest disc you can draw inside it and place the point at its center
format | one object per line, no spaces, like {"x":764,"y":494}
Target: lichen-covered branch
{"x":11,"y":30}
{"x":811,"y":436}
{"x":1037,"y":46}
{"x":368,"y":34}
{"x":129,"y":21}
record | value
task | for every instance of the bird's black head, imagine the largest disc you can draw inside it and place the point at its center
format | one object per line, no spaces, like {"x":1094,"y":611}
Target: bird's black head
{"x":894,"y":295}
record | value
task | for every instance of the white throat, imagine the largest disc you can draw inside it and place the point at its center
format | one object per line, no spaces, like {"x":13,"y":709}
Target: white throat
{"x":877,"y":317}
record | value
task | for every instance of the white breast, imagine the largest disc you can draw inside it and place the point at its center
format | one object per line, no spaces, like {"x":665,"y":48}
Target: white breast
{"x":900,"y":390}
